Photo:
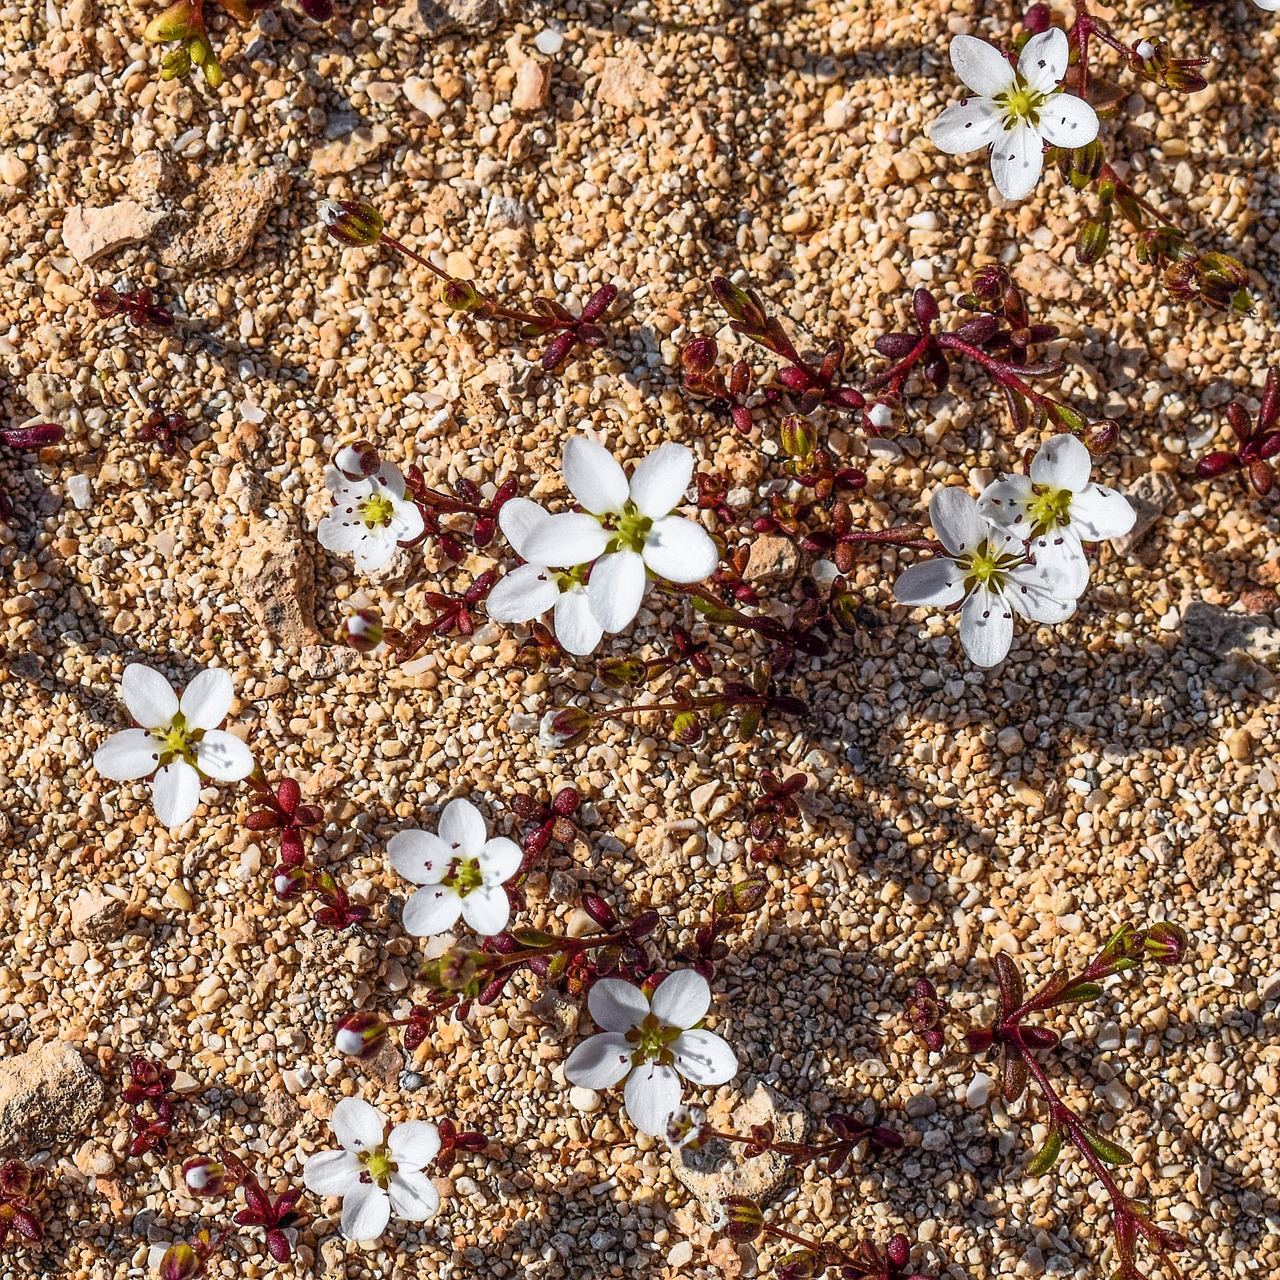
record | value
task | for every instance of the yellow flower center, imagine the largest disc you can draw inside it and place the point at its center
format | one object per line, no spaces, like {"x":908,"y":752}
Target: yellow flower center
{"x":1021,"y":105}
{"x":464,"y":876}
{"x":379,"y":1165}
{"x":1050,"y":508}
{"x":177,"y":741}
{"x":987,"y":566}
{"x":630,"y":529}
{"x":377,"y":511}
{"x":651,"y":1040}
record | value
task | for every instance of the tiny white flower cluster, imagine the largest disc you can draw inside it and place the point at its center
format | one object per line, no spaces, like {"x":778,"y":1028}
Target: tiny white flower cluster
{"x":1017,"y":548}
{"x":1014,"y":111}
{"x":592,"y":567}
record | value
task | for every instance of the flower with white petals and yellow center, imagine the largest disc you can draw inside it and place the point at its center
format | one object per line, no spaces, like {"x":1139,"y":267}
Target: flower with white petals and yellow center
{"x":651,"y":1043}
{"x":179,"y":741}
{"x":989,"y":570}
{"x":370,"y":516}
{"x":376,"y":1171}
{"x":1014,"y":112}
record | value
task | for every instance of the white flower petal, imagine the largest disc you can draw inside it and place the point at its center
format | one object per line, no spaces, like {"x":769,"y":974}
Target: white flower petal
{"x":517,"y":519}
{"x":575,"y":625}
{"x":412,"y":1196}
{"x":704,"y":1058}
{"x":658,"y":484}
{"x":149,"y":696}
{"x":617,"y":1005}
{"x":420,"y":856}
{"x":431,"y":911}
{"x":128,"y":755}
{"x":499,"y":860}
{"x":967,"y":125}
{"x":1098,"y":512}
{"x":415,"y":1143}
{"x":374,"y":550}
{"x":523,"y":594}
{"x":651,"y":1095}
{"x":564,"y":540}
{"x":681,"y":999}
{"x":340,"y":532}
{"x":365,"y":1212}
{"x":1005,"y":501}
{"x":981,"y":66}
{"x":406,"y":522}
{"x":462,"y":828}
{"x":986,"y":627}
{"x":953,"y":512}
{"x":1062,"y":462}
{"x":357,"y":1125}
{"x":1044,"y":58}
{"x":1033,"y":599}
{"x":175,"y":793}
{"x":1068,"y":121}
{"x":487,"y":909}
{"x":223,"y":756}
{"x":600,"y":1061}
{"x":207,"y":699}
{"x":615,"y":589}
{"x":594,"y":477}
{"x":331,"y":1173}
{"x":936,"y":583}
{"x":1060,"y":567}
{"x":1017,"y":157}
{"x":388,"y":481}
{"x":680,"y":550}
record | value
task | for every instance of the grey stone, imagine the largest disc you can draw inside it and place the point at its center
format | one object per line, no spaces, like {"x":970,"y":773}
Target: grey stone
{"x":48,"y":1097}
{"x":1150,"y":496}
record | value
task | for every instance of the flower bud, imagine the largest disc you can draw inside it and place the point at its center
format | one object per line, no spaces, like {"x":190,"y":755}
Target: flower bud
{"x":180,"y":1262}
{"x":1092,"y":240}
{"x":288,"y":881}
{"x":564,"y":727}
{"x":698,"y":356}
{"x":599,"y":910}
{"x":1101,"y":437}
{"x":355,"y":223}
{"x":357,"y":461}
{"x":206,"y":1176}
{"x":360,"y":1035}
{"x":177,"y":22}
{"x":363,"y":630}
{"x":460,"y":295}
{"x":742,"y":1220}
{"x":879,"y":418}
{"x":1166,"y":943}
{"x":15,"y":1180}
{"x":797,"y":436}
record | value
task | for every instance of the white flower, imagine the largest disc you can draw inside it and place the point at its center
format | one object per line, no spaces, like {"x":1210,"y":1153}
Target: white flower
{"x":529,"y":591}
{"x":369,"y":517}
{"x":179,"y":741}
{"x":988,"y":569}
{"x":375,"y":1172}
{"x":1056,"y":508}
{"x":462,"y":872}
{"x":1014,"y":112}
{"x":627,"y":528}
{"x":652,"y":1044}
{"x":1271,"y":6}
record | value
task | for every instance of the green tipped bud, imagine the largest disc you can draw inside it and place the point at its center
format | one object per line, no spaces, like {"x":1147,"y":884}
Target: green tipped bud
{"x":180,"y":1262}
{"x":797,"y":436}
{"x":1166,"y":943}
{"x":1092,"y":240}
{"x":177,"y":22}
{"x":455,"y":971}
{"x":355,"y":223}
{"x":461,"y":295}
{"x":743,"y":1221}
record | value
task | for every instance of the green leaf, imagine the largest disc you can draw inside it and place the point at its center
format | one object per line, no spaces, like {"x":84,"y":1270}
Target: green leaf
{"x":749,"y":724}
{"x":1079,"y":991}
{"x":713,"y":611}
{"x":532,"y":938}
{"x":1107,"y":1151}
{"x":1047,"y":1156}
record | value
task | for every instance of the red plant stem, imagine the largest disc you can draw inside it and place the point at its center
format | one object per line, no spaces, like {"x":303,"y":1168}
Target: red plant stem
{"x":805,"y":1150}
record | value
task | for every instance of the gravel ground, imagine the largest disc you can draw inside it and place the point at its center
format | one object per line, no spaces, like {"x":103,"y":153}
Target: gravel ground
{"x":1122,"y":767}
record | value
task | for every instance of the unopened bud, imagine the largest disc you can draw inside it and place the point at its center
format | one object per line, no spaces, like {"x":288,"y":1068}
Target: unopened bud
{"x":180,"y":1262}
{"x":357,"y":461}
{"x":288,"y":882}
{"x":564,"y":727}
{"x":1101,"y":437}
{"x":355,"y":223}
{"x":360,"y":1035}
{"x":743,"y":1221}
{"x":460,"y":295}
{"x":205,"y":1176}
{"x":363,"y":630}
{"x":797,"y":435}
{"x":879,"y":417}
{"x":1166,"y":943}
{"x":698,"y":356}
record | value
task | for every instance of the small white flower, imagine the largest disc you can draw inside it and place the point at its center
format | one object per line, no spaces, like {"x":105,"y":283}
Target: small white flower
{"x":988,"y":569}
{"x":376,"y":1172}
{"x":179,"y":741}
{"x":626,"y":529}
{"x":1014,"y":112}
{"x":529,"y":591}
{"x":1057,"y":508}
{"x":651,"y":1044}
{"x":462,"y":872}
{"x":370,"y":517}
{"x":1271,"y":6}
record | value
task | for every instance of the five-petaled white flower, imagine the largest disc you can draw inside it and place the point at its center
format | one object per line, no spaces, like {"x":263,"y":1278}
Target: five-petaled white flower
{"x":989,"y":570}
{"x":1057,"y":508}
{"x":370,"y":517}
{"x":376,"y":1171}
{"x":529,"y":591}
{"x":652,"y":1043}
{"x":1015,"y":112}
{"x":1271,"y":6}
{"x":461,"y":870}
{"x":626,"y":531}
{"x":179,"y":741}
